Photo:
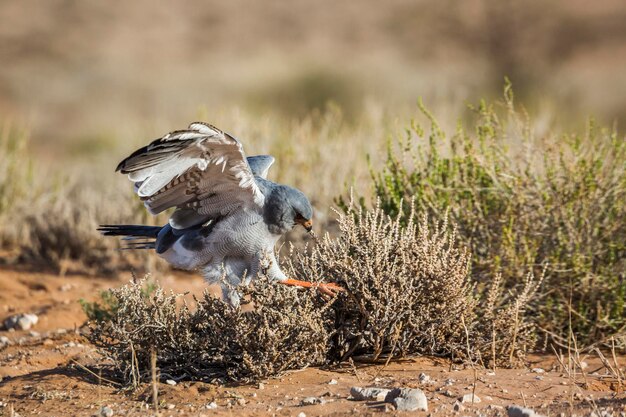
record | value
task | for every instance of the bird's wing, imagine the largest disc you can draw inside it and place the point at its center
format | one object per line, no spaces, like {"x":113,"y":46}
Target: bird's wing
{"x":201,"y":170}
{"x":260,"y":164}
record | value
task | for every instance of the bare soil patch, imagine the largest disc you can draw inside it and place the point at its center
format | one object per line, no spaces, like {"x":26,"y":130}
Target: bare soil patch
{"x":44,"y":372}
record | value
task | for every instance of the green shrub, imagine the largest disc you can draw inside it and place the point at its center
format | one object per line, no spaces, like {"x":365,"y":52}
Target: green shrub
{"x":522,"y":201}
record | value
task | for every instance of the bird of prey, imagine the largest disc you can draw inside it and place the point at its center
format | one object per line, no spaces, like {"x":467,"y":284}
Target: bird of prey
{"x":228,"y":216}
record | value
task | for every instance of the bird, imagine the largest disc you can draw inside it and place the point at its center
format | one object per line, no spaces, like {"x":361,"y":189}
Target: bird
{"x":227,"y":218}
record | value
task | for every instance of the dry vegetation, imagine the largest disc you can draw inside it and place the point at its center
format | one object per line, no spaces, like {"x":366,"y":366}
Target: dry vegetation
{"x":408,"y":292}
{"x":212,"y":341}
{"x":525,"y":199}
{"x":441,"y":262}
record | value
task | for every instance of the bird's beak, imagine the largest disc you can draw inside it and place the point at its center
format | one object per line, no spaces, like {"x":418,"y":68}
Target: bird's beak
{"x":308,"y":225}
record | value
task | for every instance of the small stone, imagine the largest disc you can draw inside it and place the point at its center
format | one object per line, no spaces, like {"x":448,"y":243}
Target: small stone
{"x":170,"y":382}
{"x":368,"y":394}
{"x":105,"y":412}
{"x":407,"y":399}
{"x":241,"y":401}
{"x":458,"y":406}
{"x":301,"y":415}
{"x":450,"y":381}
{"x":515,"y":411}
{"x":171,"y":406}
{"x":4,"y":341}
{"x":424,"y":379}
{"x":537,"y":370}
{"x":21,"y":322}
{"x":332,"y":382}
{"x":261,"y":385}
{"x":470,"y":399}
{"x":491,"y":373}
{"x":33,"y":333}
{"x":447,"y":393}
{"x":311,"y":401}
{"x":211,"y":406}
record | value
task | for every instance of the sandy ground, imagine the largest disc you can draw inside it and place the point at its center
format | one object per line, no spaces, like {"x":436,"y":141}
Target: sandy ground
{"x":42,"y":371}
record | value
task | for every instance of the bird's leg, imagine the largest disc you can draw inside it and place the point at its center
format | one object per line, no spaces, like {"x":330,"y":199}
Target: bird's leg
{"x":329,"y":289}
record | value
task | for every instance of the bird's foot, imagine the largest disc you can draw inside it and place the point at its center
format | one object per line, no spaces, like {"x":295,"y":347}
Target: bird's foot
{"x":326,"y":288}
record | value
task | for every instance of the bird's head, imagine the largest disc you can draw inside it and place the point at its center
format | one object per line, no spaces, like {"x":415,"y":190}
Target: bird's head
{"x":287,"y":207}
{"x":303,"y":212}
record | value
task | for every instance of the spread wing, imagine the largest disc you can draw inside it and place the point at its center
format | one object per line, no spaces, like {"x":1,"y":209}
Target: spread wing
{"x":202,"y":171}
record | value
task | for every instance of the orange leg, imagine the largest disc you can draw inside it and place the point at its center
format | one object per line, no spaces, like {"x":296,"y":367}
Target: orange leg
{"x":329,"y":289}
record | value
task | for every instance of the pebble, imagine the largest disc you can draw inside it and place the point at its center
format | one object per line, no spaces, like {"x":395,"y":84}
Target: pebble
{"x":171,"y":406}
{"x":4,"y":341}
{"x":170,"y":382}
{"x":301,"y":415}
{"x":369,"y":394}
{"x":515,"y":411}
{"x":458,"y":406}
{"x":332,"y":382}
{"x":424,"y":379}
{"x":261,"y":385}
{"x":537,"y":370}
{"x":21,"y":321}
{"x":105,"y":412}
{"x":407,"y":399}
{"x":447,"y":393}
{"x":241,"y":401}
{"x":470,"y":398}
{"x":211,"y":406}
{"x":312,"y":401}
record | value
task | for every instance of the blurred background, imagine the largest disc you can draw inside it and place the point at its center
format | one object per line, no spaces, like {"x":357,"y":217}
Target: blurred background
{"x":323,"y":85}
{"x":76,"y":72}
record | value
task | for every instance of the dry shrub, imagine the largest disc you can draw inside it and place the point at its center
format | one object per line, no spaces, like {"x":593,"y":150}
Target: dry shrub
{"x":409,"y":291}
{"x":58,"y":230}
{"x":284,"y":331}
{"x":407,"y":287}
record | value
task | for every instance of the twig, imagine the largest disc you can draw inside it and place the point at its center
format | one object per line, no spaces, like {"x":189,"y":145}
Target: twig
{"x":354,"y":370}
{"x":100,"y":378}
{"x":155,"y":388}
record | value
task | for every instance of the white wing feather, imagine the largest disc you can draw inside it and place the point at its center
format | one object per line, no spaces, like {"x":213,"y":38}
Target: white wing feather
{"x":201,"y":168}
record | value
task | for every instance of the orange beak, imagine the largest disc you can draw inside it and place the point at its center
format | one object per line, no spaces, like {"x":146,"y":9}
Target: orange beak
{"x":308,"y":225}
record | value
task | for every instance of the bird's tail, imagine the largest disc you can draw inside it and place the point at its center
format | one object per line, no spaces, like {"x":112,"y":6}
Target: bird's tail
{"x":135,"y":236}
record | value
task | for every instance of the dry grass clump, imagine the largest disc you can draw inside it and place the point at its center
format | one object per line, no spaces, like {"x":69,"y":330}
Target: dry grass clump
{"x":16,"y":182}
{"x":213,"y":341}
{"x":49,"y":216}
